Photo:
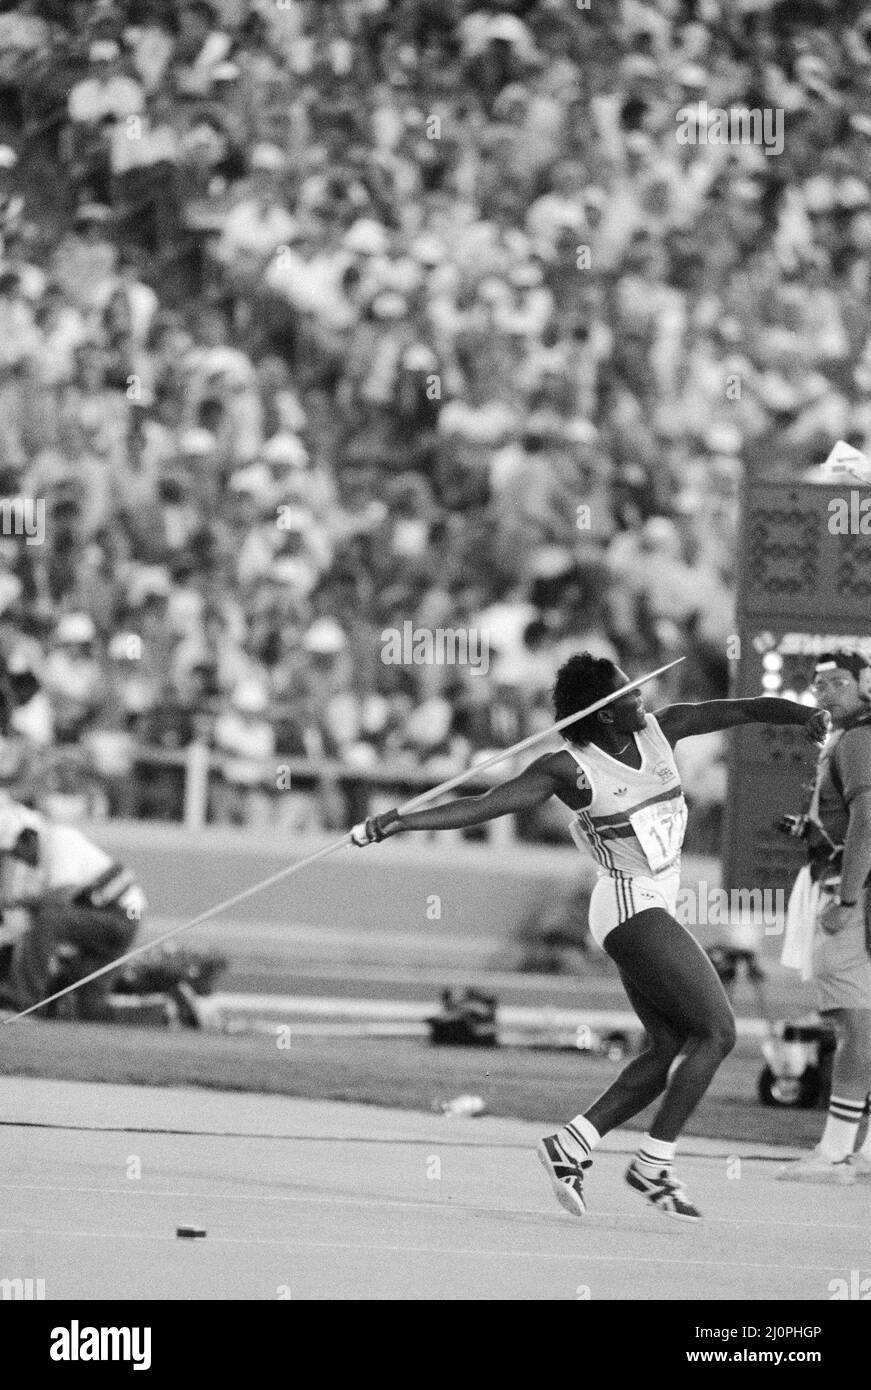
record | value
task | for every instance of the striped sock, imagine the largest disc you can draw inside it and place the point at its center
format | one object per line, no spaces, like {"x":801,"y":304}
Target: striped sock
{"x":866,"y":1146}
{"x":578,"y":1139}
{"x":653,"y":1155}
{"x":842,"y":1126}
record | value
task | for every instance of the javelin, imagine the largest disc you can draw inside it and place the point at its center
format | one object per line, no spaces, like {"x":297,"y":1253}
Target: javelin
{"x":300,"y":864}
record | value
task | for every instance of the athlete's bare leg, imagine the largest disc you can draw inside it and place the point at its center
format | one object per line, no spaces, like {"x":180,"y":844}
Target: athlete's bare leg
{"x":645,"y":1077}
{"x":670,"y":970}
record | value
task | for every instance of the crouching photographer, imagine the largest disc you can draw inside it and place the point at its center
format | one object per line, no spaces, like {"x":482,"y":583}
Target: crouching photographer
{"x":68,"y":909}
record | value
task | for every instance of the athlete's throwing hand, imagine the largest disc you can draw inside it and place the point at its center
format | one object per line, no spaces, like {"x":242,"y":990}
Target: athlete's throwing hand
{"x":818,"y":727}
{"x":375,"y":829}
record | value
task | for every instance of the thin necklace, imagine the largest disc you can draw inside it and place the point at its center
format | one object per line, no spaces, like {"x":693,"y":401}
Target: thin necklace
{"x":623,"y":749}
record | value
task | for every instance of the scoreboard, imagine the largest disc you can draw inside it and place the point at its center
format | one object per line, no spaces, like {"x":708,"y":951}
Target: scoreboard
{"x":804,"y":587}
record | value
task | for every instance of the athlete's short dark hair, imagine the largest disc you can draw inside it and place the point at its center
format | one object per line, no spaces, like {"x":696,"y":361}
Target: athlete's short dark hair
{"x":581,"y":681}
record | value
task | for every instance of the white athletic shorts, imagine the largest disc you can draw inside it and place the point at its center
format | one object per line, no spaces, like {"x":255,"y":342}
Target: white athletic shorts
{"x":616,"y":898}
{"x":842,"y":963}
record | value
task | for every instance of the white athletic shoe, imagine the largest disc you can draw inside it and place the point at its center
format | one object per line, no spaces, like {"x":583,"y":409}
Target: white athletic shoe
{"x":664,"y":1191}
{"x":860,"y":1165}
{"x":566,"y":1175}
{"x":816,"y":1167}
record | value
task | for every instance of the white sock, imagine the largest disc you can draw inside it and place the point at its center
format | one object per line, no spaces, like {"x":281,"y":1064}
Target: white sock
{"x":578,"y":1138}
{"x":842,"y":1126}
{"x":653,"y":1155}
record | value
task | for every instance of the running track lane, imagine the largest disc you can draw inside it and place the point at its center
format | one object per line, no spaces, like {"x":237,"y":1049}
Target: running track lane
{"x":320,"y":1200}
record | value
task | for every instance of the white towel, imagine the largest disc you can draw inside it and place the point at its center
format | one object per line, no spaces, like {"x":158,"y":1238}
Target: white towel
{"x":801,"y":918}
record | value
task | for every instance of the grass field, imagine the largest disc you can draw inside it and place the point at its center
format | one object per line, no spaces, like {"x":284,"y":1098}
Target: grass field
{"x":540,"y":1086}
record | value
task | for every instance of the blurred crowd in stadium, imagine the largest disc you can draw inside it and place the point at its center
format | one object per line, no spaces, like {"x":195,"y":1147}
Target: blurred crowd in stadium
{"x":320,"y":317}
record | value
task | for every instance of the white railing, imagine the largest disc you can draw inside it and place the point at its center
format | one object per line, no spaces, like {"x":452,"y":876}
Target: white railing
{"x":199,"y":765}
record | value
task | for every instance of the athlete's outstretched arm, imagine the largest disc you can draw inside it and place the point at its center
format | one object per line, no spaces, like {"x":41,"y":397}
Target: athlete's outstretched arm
{"x":682,"y":721}
{"x":531,"y":788}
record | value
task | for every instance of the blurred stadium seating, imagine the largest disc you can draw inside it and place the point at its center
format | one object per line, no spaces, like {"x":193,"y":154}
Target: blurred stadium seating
{"x":316,"y":318}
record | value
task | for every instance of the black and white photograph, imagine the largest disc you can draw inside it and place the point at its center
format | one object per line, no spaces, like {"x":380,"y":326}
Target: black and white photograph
{"x":435,"y":665}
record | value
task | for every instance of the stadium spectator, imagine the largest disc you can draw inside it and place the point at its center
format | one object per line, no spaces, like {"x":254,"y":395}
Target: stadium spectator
{"x":354,"y":314}
{"x":245,"y":740}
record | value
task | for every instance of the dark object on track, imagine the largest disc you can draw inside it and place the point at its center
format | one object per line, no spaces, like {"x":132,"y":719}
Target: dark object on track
{"x":798,"y":1066}
{"x":469,"y":1021}
{"x":162,"y":988}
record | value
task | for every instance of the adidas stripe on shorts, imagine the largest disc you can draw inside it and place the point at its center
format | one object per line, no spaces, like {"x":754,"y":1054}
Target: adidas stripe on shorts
{"x":617,"y":897}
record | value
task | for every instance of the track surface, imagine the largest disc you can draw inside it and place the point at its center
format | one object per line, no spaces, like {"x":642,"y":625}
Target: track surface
{"x":317,"y":1200}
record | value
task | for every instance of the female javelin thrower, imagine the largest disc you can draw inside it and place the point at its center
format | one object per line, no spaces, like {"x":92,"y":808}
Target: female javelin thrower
{"x":618,"y":774}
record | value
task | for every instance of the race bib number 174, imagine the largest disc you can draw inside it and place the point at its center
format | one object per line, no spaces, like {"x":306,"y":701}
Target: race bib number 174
{"x":660,"y":831}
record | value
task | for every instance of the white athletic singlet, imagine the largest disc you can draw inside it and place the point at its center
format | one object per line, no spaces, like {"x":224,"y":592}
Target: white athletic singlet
{"x":636,"y":820}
